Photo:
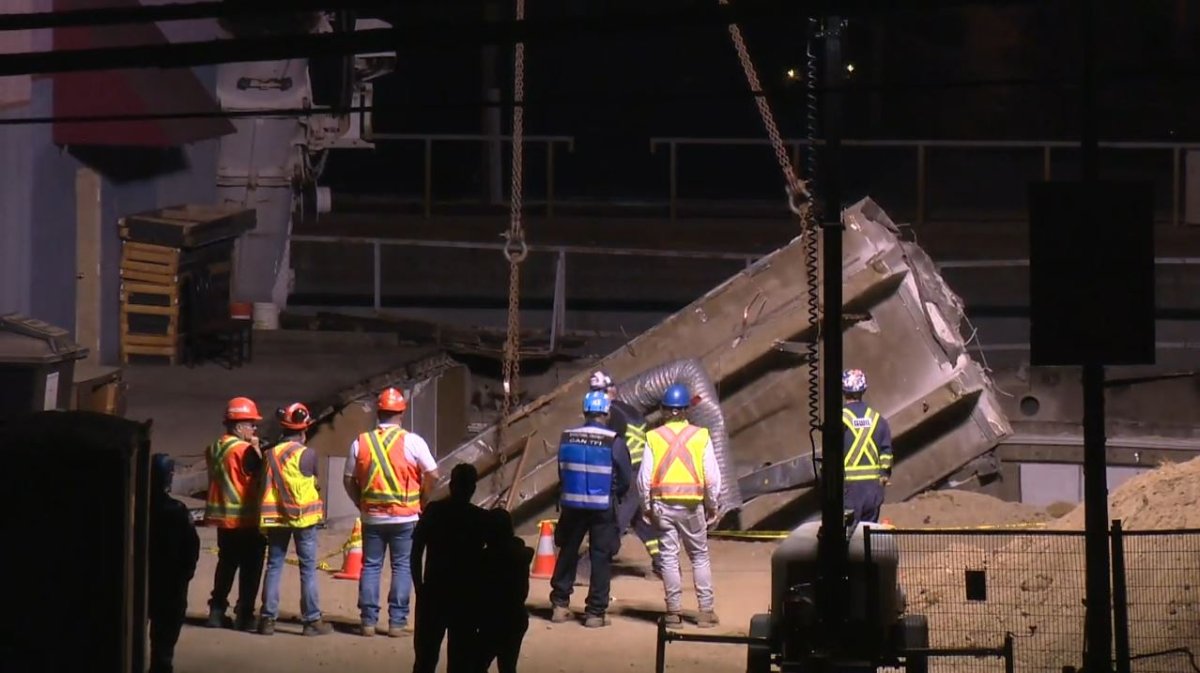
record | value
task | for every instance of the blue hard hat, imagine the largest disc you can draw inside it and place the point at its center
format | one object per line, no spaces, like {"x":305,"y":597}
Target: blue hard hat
{"x":677,"y":397}
{"x":595,"y":402}
{"x":162,"y":469}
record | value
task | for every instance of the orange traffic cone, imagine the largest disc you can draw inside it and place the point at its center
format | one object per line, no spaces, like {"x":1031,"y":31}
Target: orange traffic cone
{"x":543,"y":563}
{"x":353,"y":560}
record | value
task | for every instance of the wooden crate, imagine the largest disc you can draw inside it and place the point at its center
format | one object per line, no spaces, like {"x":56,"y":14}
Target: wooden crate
{"x":168,"y":348}
{"x":188,"y":226}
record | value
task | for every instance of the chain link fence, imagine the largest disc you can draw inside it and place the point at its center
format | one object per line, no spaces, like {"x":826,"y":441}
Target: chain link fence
{"x":977,"y":585}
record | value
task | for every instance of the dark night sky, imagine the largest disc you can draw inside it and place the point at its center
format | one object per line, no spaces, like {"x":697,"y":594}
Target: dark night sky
{"x":612,"y":95}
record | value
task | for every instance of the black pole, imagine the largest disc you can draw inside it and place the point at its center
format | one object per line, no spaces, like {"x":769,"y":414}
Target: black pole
{"x":832,"y":544}
{"x":1095,"y":464}
{"x":1120,"y":599}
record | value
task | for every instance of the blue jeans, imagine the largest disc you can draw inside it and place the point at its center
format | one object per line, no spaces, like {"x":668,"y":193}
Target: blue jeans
{"x":306,"y":549}
{"x":378,"y":539}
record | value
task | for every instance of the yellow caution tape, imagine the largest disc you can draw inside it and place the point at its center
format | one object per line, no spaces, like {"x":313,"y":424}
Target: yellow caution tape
{"x":321,"y":564}
{"x":782,"y":534}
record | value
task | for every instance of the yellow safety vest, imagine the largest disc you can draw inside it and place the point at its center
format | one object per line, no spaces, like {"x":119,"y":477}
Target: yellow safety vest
{"x":290,"y":499}
{"x":861,"y":459}
{"x":677,"y":455}
{"x":635,"y":439}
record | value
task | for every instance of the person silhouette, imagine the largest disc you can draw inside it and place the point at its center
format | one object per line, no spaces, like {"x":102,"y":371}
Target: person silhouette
{"x":174,"y":551}
{"x":506,"y":561}
{"x":451,"y":530}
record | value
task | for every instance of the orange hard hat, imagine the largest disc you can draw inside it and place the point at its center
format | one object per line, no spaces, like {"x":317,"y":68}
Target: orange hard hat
{"x":392,"y":400}
{"x":242,"y":409}
{"x":295,"y":417}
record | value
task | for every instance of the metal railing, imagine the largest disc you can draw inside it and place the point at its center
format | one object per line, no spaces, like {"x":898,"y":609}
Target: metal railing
{"x":921,"y":149}
{"x":428,"y":140}
{"x":975,"y":586}
{"x":562,"y":251}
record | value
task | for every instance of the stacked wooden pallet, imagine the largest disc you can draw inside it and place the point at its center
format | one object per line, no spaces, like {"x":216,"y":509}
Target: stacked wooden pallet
{"x":176,"y":267}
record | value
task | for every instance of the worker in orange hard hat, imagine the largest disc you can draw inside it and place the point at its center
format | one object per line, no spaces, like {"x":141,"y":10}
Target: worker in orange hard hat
{"x":292,"y":508}
{"x":234,"y":465}
{"x":385,"y":476}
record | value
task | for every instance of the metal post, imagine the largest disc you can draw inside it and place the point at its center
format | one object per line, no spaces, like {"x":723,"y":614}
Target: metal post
{"x":428,"y":177}
{"x":377,"y":253}
{"x":1120,"y":599}
{"x":660,"y":649}
{"x":673,"y":184}
{"x":1046,"y":164}
{"x":832,"y":542}
{"x":549,"y":179}
{"x":1010,"y":658}
{"x":1095,"y":468}
{"x":921,"y":184}
{"x":558,"y":316}
{"x":1176,"y":192}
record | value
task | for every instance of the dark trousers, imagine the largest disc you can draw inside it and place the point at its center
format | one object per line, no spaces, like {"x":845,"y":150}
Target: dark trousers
{"x":629,"y":515}
{"x":240,"y":551}
{"x":865,"y":498}
{"x":500,"y":639}
{"x":166,"y":610}
{"x":445,"y":616}
{"x":603,"y":533}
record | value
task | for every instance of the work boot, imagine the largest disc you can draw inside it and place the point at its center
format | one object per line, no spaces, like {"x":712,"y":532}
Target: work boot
{"x":707,"y":619}
{"x":596,"y":621}
{"x":397,"y":630}
{"x":560,"y":614}
{"x":673,"y":619}
{"x":216,"y":618}
{"x":266,"y":626}
{"x":367,"y":630}
{"x":318,"y":628}
{"x":245,"y":622}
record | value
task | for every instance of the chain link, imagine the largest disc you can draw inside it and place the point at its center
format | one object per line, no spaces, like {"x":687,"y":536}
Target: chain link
{"x":797,"y":190}
{"x":515,"y":251}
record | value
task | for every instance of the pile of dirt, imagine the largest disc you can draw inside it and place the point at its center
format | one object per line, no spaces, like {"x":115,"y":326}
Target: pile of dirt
{"x":960,"y":509}
{"x":1164,"y":498}
{"x":1035,"y":581}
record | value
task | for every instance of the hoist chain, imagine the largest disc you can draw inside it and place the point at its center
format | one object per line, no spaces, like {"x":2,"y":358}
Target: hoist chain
{"x":515,"y":250}
{"x":797,"y":191}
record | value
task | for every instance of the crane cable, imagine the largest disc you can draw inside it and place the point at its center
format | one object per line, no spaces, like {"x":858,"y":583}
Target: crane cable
{"x":515,"y":252}
{"x":799,"y":201}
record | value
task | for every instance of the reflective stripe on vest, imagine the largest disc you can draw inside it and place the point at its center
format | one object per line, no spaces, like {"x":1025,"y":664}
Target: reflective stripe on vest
{"x":861,"y":458}
{"x":231,"y":497}
{"x":635,"y":439}
{"x":678,"y":470}
{"x":290,"y":499}
{"x":391,"y":485}
{"x":585,"y":467}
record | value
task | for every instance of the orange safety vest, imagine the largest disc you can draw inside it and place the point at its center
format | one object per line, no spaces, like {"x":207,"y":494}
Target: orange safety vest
{"x":677,"y":470}
{"x":232,"y":492}
{"x":390,"y":483}
{"x":290,"y":499}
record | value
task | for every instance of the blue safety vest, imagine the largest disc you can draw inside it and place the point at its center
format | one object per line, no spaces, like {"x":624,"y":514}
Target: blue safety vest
{"x":585,"y":467}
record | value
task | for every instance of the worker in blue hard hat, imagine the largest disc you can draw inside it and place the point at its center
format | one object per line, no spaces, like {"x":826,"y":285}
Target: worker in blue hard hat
{"x":680,"y":481}
{"x":594,"y":471}
{"x":867,"y":450}
{"x":628,"y":422}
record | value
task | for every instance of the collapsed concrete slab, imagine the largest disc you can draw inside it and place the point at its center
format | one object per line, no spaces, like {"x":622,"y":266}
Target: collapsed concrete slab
{"x":903,"y":328}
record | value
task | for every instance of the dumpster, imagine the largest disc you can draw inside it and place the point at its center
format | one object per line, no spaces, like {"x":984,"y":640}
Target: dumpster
{"x":37,"y":366}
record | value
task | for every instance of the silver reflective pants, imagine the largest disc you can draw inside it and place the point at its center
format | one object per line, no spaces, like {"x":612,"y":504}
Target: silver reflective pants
{"x":685,"y":527}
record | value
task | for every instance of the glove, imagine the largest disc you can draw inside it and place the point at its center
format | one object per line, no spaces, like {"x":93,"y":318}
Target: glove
{"x":711,"y":516}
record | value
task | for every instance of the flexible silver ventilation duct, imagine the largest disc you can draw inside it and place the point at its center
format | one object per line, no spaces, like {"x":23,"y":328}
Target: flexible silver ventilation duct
{"x":645,"y":392}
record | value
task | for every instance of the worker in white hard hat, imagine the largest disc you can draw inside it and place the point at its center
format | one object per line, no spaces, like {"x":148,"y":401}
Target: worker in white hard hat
{"x":867,"y":454}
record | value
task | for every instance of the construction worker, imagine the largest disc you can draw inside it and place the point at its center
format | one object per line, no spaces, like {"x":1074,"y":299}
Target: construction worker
{"x":174,"y":551}
{"x":594,"y":471}
{"x":680,"y":483}
{"x":292,"y":508}
{"x":629,"y":423}
{"x":387,"y":469}
{"x":867,"y":454}
{"x":234,"y":463}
